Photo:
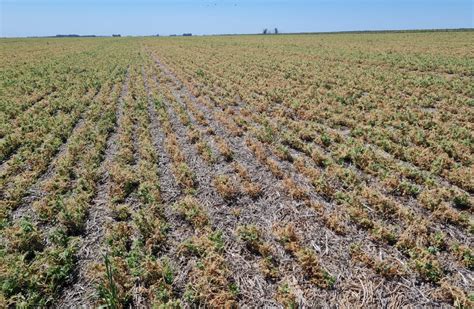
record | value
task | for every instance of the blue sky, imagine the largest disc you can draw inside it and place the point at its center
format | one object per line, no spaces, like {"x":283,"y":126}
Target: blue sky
{"x":145,"y":17}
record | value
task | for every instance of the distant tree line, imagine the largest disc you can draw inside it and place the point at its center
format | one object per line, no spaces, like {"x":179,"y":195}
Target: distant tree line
{"x":184,"y":34}
{"x":266,"y":31}
{"x":75,"y":36}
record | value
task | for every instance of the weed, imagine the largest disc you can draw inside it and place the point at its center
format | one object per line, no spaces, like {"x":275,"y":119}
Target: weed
{"x":109,"y":292}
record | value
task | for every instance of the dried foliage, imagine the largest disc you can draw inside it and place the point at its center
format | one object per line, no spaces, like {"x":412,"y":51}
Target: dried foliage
{"x":140,"y":172}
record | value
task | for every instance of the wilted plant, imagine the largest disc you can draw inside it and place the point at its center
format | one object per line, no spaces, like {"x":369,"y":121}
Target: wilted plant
{"x":227,"y":187}
{"x":192,"y":211}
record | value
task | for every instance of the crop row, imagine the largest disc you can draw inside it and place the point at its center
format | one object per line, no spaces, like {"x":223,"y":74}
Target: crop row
{"x":425,"y":264}
{"x":49,"y":192}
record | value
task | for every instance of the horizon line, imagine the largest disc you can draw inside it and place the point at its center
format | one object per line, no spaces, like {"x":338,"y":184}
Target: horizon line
{"x":75,"y":35}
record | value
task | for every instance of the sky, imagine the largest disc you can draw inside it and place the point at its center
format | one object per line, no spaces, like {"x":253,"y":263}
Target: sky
{"x":21,"y":18}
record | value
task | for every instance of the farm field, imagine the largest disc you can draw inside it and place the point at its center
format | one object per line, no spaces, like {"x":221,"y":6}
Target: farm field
{"x":238,"y":171}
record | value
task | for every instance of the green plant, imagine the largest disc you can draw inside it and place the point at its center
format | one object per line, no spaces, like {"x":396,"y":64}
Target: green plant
{"x":462,"y":201}
{"x":108,"y":291}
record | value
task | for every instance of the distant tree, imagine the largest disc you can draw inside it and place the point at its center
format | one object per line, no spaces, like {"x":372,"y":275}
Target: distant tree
{"x":265,"y":31}
{"x":276,"y":30}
